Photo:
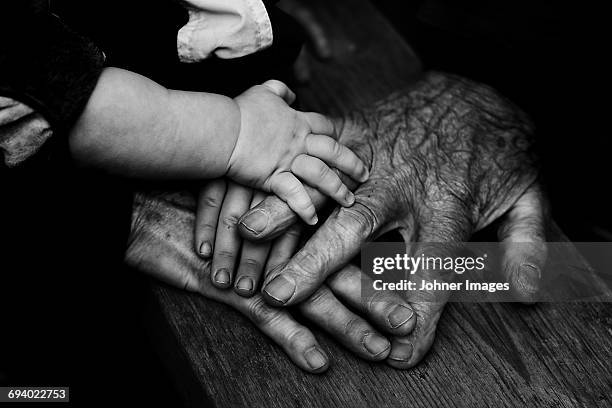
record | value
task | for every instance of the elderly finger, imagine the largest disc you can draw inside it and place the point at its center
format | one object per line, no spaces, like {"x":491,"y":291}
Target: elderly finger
{"x":337,"y":155}
{"x":227,"y":241}
{"x":387,"y":310}
{"x":252,"y":262}
{"x":318,"y":175}
{"x":331,"y":246}
{"x":523,"y":237}
{"x":325,"y":310}
{"x":440,"y":236}
{"x":283,"y":248}
{"x":210,"y":199}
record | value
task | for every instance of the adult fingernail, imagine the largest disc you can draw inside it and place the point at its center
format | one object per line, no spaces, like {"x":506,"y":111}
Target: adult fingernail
{"x":528,"y":277}
{"x":400,"y":316}
{"x":315,"y":358}
{"x":205,"y":249}
{"x":280,"y":289}
{"x":245,"y":284}
{"x":349,"y":198}
{"x":256,"y":221}
{"x":375,"y":344}
{"x":401,"y":352}
{"x":222,"y":277}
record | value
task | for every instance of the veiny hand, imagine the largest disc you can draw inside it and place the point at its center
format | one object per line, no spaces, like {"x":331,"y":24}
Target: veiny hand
{"x":447,"y":158}
{"x":278,"y":144}
{"x":161,"y":245}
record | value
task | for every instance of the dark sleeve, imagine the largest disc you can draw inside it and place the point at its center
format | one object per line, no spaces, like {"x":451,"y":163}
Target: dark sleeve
{"x":44,"y":64}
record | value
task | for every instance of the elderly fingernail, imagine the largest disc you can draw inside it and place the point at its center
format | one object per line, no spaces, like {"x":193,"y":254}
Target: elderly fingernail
{"x":222,"y":277}
{"x":205,"y":249}
{"x":315,"y":358}
{"x":375,"y":344}
{"x":245,"y":284}
{"x":400,"y":316}
{"x":256,"y":221}
{"x":349,"y":198}
{"x":528,"y":277}
{"x":401,"y":352}
{"x":279,"y":290}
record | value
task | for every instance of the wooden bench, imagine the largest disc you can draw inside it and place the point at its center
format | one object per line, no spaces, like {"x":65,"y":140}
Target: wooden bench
{"x":548,"y":355}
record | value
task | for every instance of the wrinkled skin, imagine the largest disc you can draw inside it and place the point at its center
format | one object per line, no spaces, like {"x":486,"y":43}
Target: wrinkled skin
{"x":446,"y":159}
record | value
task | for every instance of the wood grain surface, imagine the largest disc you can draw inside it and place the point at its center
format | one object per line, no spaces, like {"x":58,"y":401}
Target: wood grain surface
{"x":499,"y":355}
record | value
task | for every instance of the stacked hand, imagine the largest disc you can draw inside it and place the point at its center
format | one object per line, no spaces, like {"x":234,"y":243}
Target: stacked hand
{"x":447,"y":158}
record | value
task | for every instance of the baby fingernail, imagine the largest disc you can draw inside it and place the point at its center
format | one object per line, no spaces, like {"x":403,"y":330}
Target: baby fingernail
{"x":205,"y":249}
{"x":222,"y":277}
{"x":375,"y":344}
{"x":314,"y":220}
{"x":280,"y":289}
{"x":400,"y":316}
{"x":315,"y":358}
{"x":401,"y":352}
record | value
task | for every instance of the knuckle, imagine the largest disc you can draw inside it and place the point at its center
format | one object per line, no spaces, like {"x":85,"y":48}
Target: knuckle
{"x":251,"y":264}
{"x":352,"y":327}
{"x":362,"y":215}
{"x":225,"y":253}
{"x":294,"y":336}
{"x":260,"y":313}
{"x":210,"y":201}
{"x":323,"y":171}
{"x":230,"y":221}
{"x":377,"y":298}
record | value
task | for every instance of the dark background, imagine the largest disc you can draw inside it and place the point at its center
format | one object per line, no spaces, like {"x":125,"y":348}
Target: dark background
{"x":538,"y":53}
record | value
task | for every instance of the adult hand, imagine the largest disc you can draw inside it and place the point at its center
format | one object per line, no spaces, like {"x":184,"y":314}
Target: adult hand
{"x":161,"y":244}
{"x":447,"y":158}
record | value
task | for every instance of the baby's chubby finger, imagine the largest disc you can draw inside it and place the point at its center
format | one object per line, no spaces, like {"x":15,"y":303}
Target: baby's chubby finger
{"x":318,"y":175}
{"x":289,"y":189}
{"x":280,"y":89}
{"x":337,"y":155}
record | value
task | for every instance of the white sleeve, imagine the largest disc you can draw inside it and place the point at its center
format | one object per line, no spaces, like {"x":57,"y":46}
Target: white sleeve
{"x":224,"y":28}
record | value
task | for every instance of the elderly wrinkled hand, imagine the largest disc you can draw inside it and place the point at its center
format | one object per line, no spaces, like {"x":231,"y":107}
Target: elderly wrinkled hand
{"x":447,"y":158}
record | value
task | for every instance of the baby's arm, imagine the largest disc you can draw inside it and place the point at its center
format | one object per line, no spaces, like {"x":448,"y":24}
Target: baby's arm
{"x":135,"y":127}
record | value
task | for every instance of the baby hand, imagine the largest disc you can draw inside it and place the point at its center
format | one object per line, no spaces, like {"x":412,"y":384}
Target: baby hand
{"x":277,"y":145}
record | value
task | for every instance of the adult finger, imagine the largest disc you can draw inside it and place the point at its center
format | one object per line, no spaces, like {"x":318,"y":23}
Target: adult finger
{"x":337,"y":155}
{"x":280,"y":89}
{"x":523,"y":238}
{"x":439,"y":236}
{"x":318,"y":175}
{"x":210,"y":199}
{"x":331,"y":246}
{"x":252,"y":262}
{"x":288,"y":188}
{"x":284,"y":247}
{"x":227,"y":241}
{"x":387,"y":310}
{"x":325,"y":310}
